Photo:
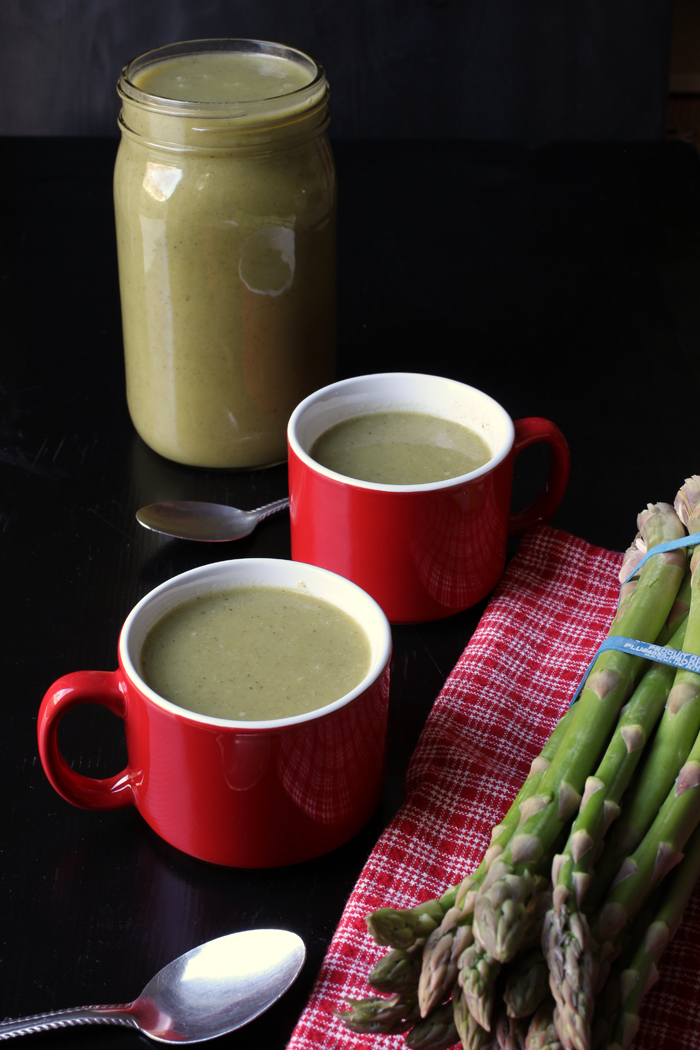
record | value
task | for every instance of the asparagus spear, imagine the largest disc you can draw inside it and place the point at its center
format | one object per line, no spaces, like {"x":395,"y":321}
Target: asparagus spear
{"x":437,"y":1032}
{"x":510,"y":1032}
{"x":687,"y":503}
{"x":473,"y":1036}
{"x":444,"y":948}
{"x":541,"y":1035}
{"x":399,"y":1014}
{"x":500,"y":911}
{"x":398,"y":971}
{"x":402,"y":927}
{"x":566,"y":934}
{"x":527,"y":984}
{"x":630,"y":560}
{"x":380,"y":1016}
{"x":605,"y":1010}
{"x":679,"y":610}
{"x":477,"y":979}
{"x":642,"y":973}
{"x":447,"y":942}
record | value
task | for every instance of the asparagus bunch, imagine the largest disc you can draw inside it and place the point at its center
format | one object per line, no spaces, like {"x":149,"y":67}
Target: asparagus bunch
{"x":478,"y":942}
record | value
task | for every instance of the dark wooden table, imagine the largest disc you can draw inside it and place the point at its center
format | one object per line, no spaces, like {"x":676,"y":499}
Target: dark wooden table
{"x":564,"y":281}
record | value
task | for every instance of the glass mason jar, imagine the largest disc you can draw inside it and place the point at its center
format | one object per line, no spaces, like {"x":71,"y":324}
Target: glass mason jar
{"x":225,"y":201}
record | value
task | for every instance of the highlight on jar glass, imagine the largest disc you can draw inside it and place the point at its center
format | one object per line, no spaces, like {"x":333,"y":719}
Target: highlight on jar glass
{"x":402,"y":483}
{"x":225,"y":204}
{"x":264,"y":751}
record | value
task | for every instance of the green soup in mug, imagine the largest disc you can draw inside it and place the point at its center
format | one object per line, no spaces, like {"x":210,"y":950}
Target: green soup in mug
{"x":254,"y":653}
{"x":400,"y":448}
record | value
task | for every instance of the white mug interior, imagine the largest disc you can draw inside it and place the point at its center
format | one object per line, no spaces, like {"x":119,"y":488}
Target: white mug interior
{"x":403,"y":392}
{"x":246,"y":572}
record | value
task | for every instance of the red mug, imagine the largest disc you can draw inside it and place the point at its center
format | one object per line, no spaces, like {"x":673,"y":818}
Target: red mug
{"x":242,"y":793}
{"x":422,"y":551}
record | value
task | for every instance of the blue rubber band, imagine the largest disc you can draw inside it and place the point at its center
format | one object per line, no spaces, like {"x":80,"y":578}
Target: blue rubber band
{"x":660,"y":654}
{"x":670,"y":545}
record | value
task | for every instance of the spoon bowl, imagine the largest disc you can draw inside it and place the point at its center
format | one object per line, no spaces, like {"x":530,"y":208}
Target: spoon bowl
{"x":209,"y":991}
{"x":205,"y":522}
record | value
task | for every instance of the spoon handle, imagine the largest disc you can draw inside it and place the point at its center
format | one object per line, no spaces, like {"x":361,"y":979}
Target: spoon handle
{"x":271,"y":508}
{"x":80,"y":1015}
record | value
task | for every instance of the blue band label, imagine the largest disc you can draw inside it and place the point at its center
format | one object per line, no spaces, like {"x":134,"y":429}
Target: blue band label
{"x":659,"y":653}
{"x":647,"y":651}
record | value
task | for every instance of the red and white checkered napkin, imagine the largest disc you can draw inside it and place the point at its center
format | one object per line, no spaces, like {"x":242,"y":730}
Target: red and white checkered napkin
{"x":514,"y":680}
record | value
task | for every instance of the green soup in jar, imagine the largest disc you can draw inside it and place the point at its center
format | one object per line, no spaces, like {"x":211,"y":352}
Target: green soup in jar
{"x":225,"y":209}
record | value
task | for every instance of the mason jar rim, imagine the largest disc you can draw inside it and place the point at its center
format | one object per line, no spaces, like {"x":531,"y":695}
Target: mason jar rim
{"x":129,"y":91}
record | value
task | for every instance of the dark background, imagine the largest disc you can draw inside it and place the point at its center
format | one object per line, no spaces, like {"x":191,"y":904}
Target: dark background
{"x":527,"y":71}
{"x":562,"y":280}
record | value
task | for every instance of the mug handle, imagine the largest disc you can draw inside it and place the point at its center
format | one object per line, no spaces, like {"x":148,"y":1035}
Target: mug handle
{"x":82,"y":687}
{"x":528,"y":432}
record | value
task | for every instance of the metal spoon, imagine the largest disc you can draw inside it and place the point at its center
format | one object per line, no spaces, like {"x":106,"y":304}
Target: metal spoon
{"x":208,"y":522}
{"x":205,"y":993}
